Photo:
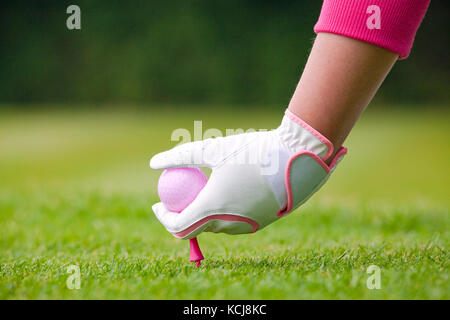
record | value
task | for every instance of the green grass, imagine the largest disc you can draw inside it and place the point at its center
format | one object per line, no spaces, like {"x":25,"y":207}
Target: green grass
{"x":75,"y":188}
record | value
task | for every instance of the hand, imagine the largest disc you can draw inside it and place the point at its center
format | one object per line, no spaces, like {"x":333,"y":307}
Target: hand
{"x":256,"y":178}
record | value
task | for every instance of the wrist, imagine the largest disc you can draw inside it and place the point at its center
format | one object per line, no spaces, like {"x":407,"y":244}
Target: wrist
{"x":296,"y":134}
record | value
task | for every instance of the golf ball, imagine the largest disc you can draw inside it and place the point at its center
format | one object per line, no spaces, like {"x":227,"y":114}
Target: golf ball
{"x":178,"y":187}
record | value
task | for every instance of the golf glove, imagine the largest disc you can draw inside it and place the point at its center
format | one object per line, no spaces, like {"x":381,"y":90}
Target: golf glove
{"x":256,"y":178}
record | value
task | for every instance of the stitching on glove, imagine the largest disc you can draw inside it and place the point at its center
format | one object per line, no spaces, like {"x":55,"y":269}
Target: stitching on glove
{"x":223,"y":217}
{"x":235,"y":152}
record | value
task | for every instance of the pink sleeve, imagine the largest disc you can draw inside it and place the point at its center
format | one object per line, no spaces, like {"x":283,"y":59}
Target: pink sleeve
{"x":390,"y":24}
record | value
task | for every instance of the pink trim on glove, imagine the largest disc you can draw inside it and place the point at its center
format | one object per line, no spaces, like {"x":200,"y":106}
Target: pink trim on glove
{"x":223,"y":217}
{"x":342,"y":152}
{"x":394,"y":30}
{"x":288,"y":207}
{"x":313,"y":131}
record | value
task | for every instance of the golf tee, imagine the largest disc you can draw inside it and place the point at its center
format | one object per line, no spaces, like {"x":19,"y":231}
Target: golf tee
{"x":195,"y":252}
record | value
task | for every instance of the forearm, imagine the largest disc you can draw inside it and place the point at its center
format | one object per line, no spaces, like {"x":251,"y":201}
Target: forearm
{"x":338,"y":82}
{"x":350,"y":59}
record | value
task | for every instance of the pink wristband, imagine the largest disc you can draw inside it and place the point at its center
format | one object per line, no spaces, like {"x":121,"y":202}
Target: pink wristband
{"x":390,"y":24}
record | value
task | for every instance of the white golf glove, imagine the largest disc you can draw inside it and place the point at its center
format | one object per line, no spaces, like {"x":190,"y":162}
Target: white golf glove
{"x":256,"y":178}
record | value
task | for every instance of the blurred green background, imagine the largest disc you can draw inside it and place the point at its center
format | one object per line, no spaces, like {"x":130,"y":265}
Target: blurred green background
{"x":200,"y":52}
{"x":82,"y":112}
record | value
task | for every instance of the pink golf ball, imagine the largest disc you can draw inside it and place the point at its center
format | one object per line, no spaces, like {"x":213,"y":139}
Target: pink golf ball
{"x":178,"y":187}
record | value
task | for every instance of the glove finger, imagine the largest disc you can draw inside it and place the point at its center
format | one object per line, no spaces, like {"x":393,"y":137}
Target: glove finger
{"x":168,"y":219}
{"x":174,"y":222}
{"x":192,"y":154}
